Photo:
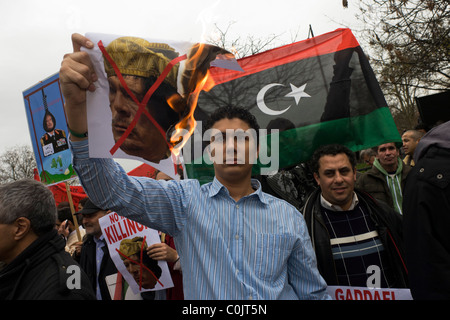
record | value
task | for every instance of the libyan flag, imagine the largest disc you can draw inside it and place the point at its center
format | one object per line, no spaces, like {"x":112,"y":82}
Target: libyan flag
{"x":317,"y":91}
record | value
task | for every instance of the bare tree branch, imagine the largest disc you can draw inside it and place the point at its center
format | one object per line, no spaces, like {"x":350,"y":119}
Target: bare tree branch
{"x":17,"y":163}
{"x":409,"y":45}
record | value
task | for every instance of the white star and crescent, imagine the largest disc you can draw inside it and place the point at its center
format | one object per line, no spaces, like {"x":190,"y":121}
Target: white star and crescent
{"x":297,"y":93}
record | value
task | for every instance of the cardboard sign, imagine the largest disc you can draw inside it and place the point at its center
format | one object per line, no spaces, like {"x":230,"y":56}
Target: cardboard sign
{"x":44,"y":107}
{"x":127,"y":241}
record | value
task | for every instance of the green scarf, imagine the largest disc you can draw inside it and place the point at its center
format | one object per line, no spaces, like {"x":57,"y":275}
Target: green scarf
{"x":394,"y":183}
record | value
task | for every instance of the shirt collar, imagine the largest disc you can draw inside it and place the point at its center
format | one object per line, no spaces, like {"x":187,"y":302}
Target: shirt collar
{"x":99,"y":241}
{"x":216,"y":187}
{"x":334,"y":207}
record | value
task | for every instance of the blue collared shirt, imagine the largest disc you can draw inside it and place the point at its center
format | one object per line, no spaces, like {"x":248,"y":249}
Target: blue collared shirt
{"x":256,"y":248}
{"x":99,"y":244}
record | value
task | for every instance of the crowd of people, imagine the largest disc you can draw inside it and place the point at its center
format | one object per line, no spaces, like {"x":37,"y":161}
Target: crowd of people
{"x":237,"y":237}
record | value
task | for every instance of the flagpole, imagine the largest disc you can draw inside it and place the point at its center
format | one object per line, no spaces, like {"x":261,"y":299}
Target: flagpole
{"x":318,"y":59}
{"x":310,"y":32}
{"x":72,"y":209}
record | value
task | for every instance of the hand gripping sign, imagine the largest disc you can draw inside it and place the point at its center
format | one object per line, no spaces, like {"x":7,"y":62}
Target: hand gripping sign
{"x":147,"y":92}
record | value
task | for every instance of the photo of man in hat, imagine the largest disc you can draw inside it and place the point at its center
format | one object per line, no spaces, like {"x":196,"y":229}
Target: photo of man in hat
{"x":145,"y":271}
{"x":141,"y":63}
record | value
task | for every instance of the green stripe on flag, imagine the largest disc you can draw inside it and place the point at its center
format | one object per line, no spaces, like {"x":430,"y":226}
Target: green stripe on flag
{"x":297,"y":145}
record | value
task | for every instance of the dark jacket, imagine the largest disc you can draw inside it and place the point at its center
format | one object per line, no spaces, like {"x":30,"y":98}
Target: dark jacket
{"x":89,"y":265}
{"x":41,"y":272}
{"x":426,"y":212}
{"x":389,"y":228}
{"x":374,"y":183}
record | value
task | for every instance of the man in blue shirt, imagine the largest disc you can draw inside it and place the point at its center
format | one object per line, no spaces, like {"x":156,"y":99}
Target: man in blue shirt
{"x":234,"y":241}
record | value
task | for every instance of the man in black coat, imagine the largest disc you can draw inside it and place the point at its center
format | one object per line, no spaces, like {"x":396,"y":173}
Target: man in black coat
{"x":36,"y":265}
{"x":426,"y":209}
{"x":93,"y":253}
{"x":351,"y":231}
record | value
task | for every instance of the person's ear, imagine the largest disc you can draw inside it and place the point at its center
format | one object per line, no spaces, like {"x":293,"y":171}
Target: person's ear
{"x":316,"y":177}
{"x":23,"y":228}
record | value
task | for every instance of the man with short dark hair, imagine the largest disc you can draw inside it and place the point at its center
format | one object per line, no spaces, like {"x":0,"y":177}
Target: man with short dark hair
{"x":385,"y":181}
{"x":350,"y":230}
{"x":410,"y":139}
{"x":37,"y":267}
{"x":234,"y":241}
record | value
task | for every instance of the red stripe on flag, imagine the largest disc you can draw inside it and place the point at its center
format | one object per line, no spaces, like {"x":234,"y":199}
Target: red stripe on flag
{"x":337,"y":40}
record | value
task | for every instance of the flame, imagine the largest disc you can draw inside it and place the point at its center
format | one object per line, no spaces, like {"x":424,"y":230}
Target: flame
{"x":194,"y":79}
{"x":186,"y":126}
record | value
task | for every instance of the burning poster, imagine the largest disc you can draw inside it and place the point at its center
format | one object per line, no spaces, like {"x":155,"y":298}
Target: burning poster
{"x":44,"y":106}
{"x":145,"y":98}
{"x":127,"y":243}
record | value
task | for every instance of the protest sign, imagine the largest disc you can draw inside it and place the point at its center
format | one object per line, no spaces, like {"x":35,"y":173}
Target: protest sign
{"x":60,"y":193}
{"x":145,"y":97}
{"x":44,"y":107}
{"x":364,"y":293}
{"x":127,"y":242}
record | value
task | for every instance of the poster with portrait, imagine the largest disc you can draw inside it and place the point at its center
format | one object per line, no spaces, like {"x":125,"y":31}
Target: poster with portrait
{"x":146,"y":95}
{"x":127,"y":243}
{"x":44,"y":107}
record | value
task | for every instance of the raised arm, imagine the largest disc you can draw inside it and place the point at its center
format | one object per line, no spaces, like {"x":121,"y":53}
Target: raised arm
{"x":77,"y":76}
{"x":158,"y":205}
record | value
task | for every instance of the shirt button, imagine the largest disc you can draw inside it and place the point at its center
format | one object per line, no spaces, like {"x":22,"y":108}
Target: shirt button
{"x":250,"y":298}
{"x":237,"y":206}
{"x":236,"y":237}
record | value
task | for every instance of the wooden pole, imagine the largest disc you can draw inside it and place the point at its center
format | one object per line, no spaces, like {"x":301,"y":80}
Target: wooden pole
{"x":72,"y":209}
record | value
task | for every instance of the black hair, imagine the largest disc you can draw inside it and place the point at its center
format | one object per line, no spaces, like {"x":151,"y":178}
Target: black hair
{"x":397,"y":146}
{"x":282,"y":124}
{"x":65,"y":213}
{"x":44,"y":123}
{"x":331,"y":149}
{"x":231,"y":112}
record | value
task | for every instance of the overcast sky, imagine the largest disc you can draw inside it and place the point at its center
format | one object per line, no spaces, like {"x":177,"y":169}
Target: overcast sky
{"x":35,"y":35}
